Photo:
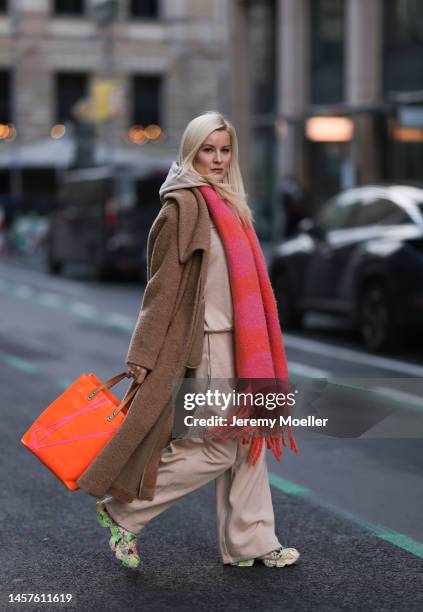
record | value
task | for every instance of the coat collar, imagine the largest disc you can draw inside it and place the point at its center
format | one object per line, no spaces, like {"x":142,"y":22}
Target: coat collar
{"x":193,"y":221}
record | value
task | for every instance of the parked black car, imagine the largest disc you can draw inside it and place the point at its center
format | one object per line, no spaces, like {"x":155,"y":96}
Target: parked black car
{"x":360,"y":256}
{"x":102,"y":217}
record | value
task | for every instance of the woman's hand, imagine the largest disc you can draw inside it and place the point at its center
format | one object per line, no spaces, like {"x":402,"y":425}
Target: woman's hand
{"x":137,"y":372}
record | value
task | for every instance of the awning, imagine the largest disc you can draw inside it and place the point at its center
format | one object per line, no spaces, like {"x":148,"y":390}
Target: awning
{"x":51,"y":153}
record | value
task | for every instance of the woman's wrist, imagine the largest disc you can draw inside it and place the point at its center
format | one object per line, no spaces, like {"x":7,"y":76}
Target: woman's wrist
{"x":137,"y":372}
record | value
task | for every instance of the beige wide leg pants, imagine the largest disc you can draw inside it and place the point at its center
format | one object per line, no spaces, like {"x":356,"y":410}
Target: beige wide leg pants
{"x":245,"y":518}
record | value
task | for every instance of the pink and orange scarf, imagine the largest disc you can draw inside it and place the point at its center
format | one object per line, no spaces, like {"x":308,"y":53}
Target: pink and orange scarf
{"x":259,"y":349}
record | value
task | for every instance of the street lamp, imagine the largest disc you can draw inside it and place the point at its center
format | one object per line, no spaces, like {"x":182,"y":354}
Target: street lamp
{"x":104,"y":13}
{"x":15,"y":167}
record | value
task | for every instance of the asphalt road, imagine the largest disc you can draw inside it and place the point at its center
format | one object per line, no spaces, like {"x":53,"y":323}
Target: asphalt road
{"x":351,"y":506}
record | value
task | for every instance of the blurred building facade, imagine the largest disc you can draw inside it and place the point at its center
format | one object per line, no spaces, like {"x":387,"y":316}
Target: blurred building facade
{"x":332,"y":95}
{"x":325,"y":94}
{"x":169,"y":59}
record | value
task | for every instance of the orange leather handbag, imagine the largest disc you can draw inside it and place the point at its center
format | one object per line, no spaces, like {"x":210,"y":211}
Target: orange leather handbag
{"x":73,"y":429}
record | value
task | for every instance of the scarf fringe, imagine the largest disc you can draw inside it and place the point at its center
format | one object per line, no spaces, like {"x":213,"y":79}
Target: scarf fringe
{"x":272,"y":442}
{"x":292,"y":442}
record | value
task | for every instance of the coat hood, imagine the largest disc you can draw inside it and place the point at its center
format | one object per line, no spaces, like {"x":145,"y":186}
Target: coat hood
{"x":176,"y":180}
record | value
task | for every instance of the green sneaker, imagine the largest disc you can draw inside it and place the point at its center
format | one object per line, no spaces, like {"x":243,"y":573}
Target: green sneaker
{"x":123,"y":542}
{"x":243,"y":563}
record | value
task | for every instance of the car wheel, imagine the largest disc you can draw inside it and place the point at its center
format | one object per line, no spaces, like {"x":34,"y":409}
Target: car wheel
{"x":289,"y":315}
{"x":377,"y":327}
{"x":102,"y":271}
{"x":55,"y":266}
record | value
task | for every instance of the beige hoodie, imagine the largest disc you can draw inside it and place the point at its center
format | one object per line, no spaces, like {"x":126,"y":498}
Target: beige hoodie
{"x":175,"y":180}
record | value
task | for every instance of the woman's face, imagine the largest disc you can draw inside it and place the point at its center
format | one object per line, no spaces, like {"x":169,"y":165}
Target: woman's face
{"x":214,"y":155}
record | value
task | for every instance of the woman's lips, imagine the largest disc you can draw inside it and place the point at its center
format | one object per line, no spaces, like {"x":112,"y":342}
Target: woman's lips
{"x":217,"y":169}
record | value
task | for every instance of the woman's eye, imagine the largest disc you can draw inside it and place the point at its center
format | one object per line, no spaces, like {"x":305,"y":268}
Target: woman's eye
{"x":208,"y":150}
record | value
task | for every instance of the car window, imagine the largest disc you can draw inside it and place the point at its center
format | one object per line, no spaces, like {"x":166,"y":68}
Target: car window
{"x":380,"y":211}
{"x":337,"y":213}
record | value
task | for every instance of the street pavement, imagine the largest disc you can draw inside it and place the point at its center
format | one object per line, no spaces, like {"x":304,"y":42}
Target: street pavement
{"x":351,"y":506}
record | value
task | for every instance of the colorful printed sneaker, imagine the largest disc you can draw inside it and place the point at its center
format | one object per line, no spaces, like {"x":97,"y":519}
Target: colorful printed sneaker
{"x":123,"y":542}
{"x":276,"y":558}
{"x":280,"y":557}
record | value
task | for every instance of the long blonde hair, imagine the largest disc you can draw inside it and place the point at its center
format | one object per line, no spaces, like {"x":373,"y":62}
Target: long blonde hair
{"x":233,"y":190}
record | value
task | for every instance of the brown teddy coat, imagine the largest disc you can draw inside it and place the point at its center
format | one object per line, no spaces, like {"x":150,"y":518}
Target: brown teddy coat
{"x":167,"y":339}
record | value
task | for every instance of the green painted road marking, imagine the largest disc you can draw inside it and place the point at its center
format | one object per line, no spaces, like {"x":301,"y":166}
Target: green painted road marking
{"x":82,"y":310}
{"x":394,"y":537}
{"x":287,"y":486}
{"x":64,"y":383}
{"x":20,"y":364}
{"x":400,"y":540}
{"x":26,"y":366}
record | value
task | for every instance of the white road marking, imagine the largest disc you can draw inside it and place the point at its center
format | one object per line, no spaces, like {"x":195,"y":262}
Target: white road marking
{"x":22,"y":291}
{"x":351,"y":355}
{"x":316,"y":347}
{"x":52,"y":300}
{"x":412,"y":401}
{"x":401,"y":396}
{"x":119,"y":320}
{"x":82,"y":309}
{"x":304,"y":370}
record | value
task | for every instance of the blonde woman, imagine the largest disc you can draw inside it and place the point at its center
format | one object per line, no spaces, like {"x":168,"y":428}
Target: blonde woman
{"x":196,"y":321}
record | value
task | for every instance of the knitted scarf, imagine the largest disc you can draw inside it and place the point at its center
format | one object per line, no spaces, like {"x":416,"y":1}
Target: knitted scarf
{"x":259,"y":349}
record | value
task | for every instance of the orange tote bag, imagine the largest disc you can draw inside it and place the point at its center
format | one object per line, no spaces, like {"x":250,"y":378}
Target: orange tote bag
{"x":73,"y":429}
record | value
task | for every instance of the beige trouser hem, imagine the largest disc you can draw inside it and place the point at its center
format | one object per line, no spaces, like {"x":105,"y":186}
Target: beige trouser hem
{"x":245,"y":519}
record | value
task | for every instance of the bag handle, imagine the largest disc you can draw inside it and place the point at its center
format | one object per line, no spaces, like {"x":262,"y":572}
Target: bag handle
{"x":109,"y":383}
{"x":125,"y":402}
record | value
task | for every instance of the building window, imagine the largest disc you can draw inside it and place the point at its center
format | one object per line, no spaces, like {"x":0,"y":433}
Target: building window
{"x":262,"y":44}
{"x":263,"y":152}
{"x":70,"y":88}
{"x":5,"y":93}
{"x":146,"y":100}
{"x":69,"y":7}
{"x":403,"y":45}
{"x":262,"y":66}
{"x":144,"y":8}
{"x":327,"y":51}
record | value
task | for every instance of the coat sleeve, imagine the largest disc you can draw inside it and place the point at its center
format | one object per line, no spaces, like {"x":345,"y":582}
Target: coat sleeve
{"x":164,"y":275}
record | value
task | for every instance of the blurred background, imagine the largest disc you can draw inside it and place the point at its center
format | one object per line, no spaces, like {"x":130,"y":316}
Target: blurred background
{"x":327,"y":99}
{"x":324,"y":92}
